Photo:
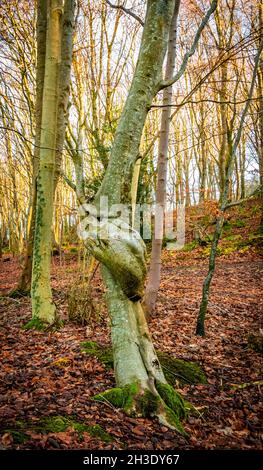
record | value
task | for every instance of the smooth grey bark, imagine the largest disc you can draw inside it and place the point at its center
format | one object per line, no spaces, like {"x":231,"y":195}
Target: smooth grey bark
{"x":58,"y":57}
{"x":123,"y":256}
{"x":67,"y":31}
{"x":43,"y":308}
{"x":67,"y":28}
{"x":154,"y":279}
{"x":25,"y":279}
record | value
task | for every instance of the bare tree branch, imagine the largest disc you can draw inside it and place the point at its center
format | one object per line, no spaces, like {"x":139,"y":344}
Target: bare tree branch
{"x":126,"y":10}
{"x":68,"y":181}
{"x":191,"y":51}
{"x":174,"y":105}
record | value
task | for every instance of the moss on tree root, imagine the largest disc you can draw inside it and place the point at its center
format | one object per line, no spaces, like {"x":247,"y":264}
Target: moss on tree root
{"x":166,"y":404}
{"x":103,"y":353}
{"x":175,"y":370}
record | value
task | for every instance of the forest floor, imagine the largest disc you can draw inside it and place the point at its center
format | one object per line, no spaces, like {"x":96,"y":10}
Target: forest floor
{"x":47,"y":380}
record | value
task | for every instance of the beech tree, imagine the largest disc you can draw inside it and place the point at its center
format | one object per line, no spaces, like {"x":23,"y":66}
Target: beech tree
{"x":55,"y":76}
{"x":141,"y":386}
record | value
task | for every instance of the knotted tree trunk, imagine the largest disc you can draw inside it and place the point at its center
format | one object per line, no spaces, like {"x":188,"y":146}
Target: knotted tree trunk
{"x":142,"y":388}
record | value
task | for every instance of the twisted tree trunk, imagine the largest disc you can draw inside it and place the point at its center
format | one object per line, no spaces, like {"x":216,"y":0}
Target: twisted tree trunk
{"x":142,"y":388}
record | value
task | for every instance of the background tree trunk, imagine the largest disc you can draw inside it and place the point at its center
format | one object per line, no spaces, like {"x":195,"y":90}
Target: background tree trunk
{"x":155,"y":264}
{"x":25,"y":279}
{"x":43,"y":308}
{"x":200,"y":327}
{"x":59,"y":43}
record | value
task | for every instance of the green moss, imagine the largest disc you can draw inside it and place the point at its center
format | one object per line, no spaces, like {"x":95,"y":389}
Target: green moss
{"x":19,"y":437}
{"x":190,"y":246}
{"x":174,"y":421}
{"x":129,"y":394}
{"x":35,"y":324}
{"x":18,"y":293}
{"x":132,"y":400}
{"x":54,"y":424}
{"x":104,"y":354}
{"x":175,"y":370}
{"x":148,"y":403}
{"x":98,"y":431}
{"x":233,"y":238}
{"x":239,"y":223}
{"x":168,"y":405}
{"x":226,"y":250}
{"x":175,"y":407}
{"x":120,"y":397}
{"x":114,"y":396}
{"x":256,"y":239}
{"x":172,"y":399}
{"x":227,"y":226}
{"x":206,"y":251}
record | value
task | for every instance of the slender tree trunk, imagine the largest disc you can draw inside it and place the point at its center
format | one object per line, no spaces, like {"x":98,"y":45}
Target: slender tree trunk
{"x":43,"y":308}
{"x":58,"y":60}
{"x":67,"y":31}
{"x":260,"y":89}
{"x":242,"y":169}
{"x":237,"y":196}
{"x":200,"y":327}
{"x":187,"y":186}
{"x":24,"y":283}
{"x":203,"y":163}
{"x":62,"y":116}
{"x":155,"y":264}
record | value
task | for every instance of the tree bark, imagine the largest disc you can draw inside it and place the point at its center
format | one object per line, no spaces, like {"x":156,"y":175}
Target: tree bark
{"x":59,"y":41}
{"x":64,"y":68}
{"x":260,"y":89}
{"x":136,"y":365}
{"x":43,"y":308}
{"x":155,"y":264}
{"x":24,"y":283}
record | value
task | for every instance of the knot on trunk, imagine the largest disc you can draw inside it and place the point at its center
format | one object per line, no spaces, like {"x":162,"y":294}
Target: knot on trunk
{"x":121,"y":249}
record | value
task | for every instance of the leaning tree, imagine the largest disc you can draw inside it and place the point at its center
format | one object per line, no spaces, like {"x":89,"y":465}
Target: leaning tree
{"x":141,"y":386}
